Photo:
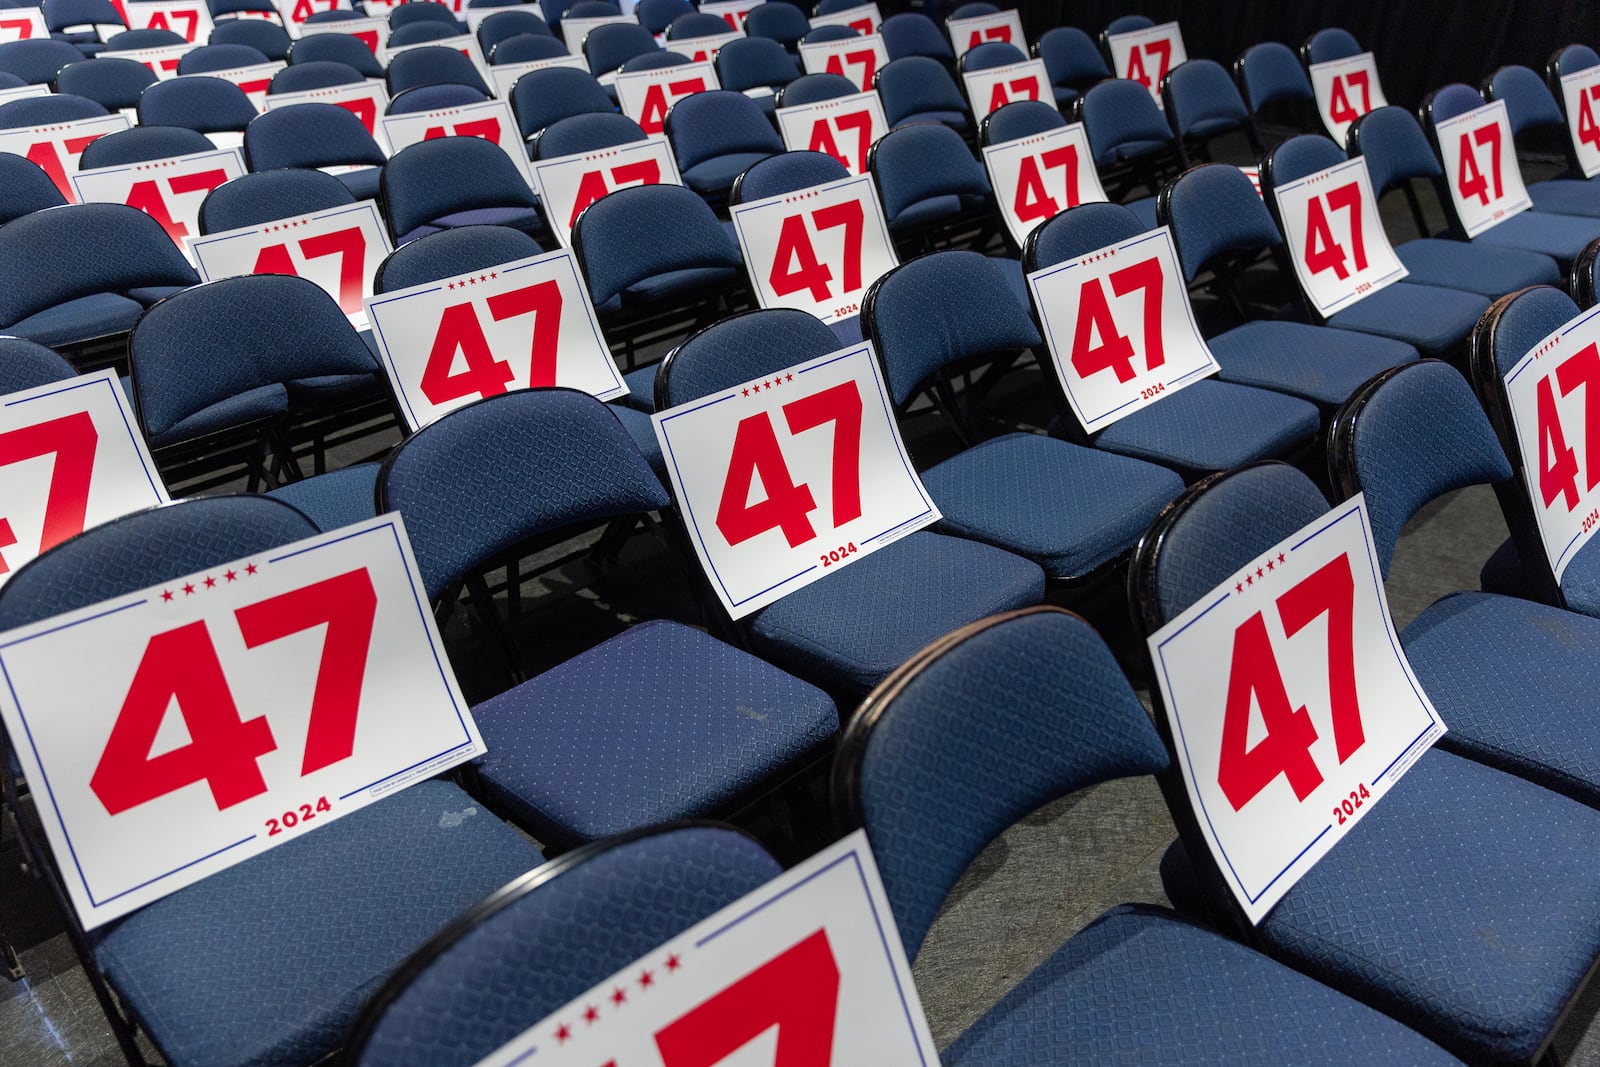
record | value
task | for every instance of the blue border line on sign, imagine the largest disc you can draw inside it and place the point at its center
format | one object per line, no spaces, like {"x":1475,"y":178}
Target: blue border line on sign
{"x":122,"y":411}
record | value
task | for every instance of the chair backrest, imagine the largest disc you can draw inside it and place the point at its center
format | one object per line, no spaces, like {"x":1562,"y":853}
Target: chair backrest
{"x":497,"y":473}
{"x":37,"y":61}
{"x":269,"y":195}
{"x":46,"y":110}
{"x":423,"y":182}
{"x":810,"y":88}
{"x":1297,"y":157}
{"x":337,"y":48}
{"x":128,"y":40}
{"x":27,"y":364}
{"x":1128,"y":24}
{"x":1332,"y":43}
{"x":540,"y":97}
{"x":684,"y":235}
{"x":431,"y":65}
{"x":911,"y":33}
{"x":411,"y":13}
{"x":975,"y":732}
{"x":1018,"y":119}
{"x":146,"y":547}
{"x":1451,"y":100}
{"x":609,"y":46}
{"x":916,"y":84}
{"x":536,"y":944}
{"x":270,"y":40}
{"x":823,"y":34}
{"x":1585,"y":282}
{"x":972,"y":10}
{"x":114,"y":84}
{"x":918,"y":326}
{"x":1570,"y":58}
{"x":336,"y":15}
{"x":785,"y":173}
{"x":421,"y":32}
{"x":783,"y":22}
{"x":1123,"y":122}
{"x":1271,"y":73}
{"x":233,"y":7}
{"x":585,"y":133}
{"x":140,"y":144}
{"x":209,"y":57}
{"x":227,"y":337}
{"x":1071,"y":58}
{"x":594,"y":9}
{"x":756,"y":61}
{"x":657,"y":15}
{"x":523,"y":47}
{"x":208,"y":105}
{"x":1200,"y":91}
{"x":991,"y":54}
{"x":449,"y":253}
{"x":322,"y":74}
{"x":829,"y":7}
{"x":739,"y":348}
{"x":1394,"y":146}
{"x":309,"y":135}
{"x":503,"y":25}
{"x":718,"y":123}
{"x":695,"y":24}
{"x":1407,"y":437}
{"x":25,"y":187}
{"x":50,"y":257}
{"x":653,"y":60}
{"x":1078,"y":231}
{"x":920,"y":161}
{"x":62,"y":15}
{"x":432,"y":97}
{"x":1214,"y":210}
{"x":1529,"y":102}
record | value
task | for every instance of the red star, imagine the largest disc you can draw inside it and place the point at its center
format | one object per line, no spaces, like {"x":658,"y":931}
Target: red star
{"x":747,"y":392}
{"x":1280,"y":557}
{"x":590,"y":1014}
{"x":492,"y":274}
{"x":1248,"y":580}
{"x":232,"y":576}
{"x":1260,"y":573}
{"x":790,"y":378}
{"x":646,"y":979}
{"x":211,"y":583}
{"x":756,"y":388}
{"x":483,"y":277}
{"x":672,"y":963}
{"x":619,"y":995}
{"x":188,"y":589}
{"x":1270,"y":564}
{"x":563,"y":1032}
{"x":250,"y":568}
{"x":166,"y":594}
{"x":777,"y":381}
{"x":452,"y":285}
{"x":1238,"y":587}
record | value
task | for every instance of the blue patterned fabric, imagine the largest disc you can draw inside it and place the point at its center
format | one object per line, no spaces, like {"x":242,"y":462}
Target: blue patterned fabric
{"x":1330,"y":44}
{"x":432,"y":65}
{"x":823,"y":34}
{"x":267,"y":38}
{"x":112,"y":83}
{"x":129,"y":40}
{"x":848,"y":631}
{"x":717,"y":134}
{"x":1432,"y":320}
{"x":1203,"y":99}
{"x":420,"y":187}
{"x":644,"y":231}
{"x":560,"y":938}
{"x":495,"y":473}
{"x":253,"y":199}
{"x":420,"y":32}
{"x":1141,"y":986}
{"x":788,"y":172}
{"x":922,"y":178}
{"x":585,"y":133}
{"x":697,"y":24}
{"x":1069,"y":508}
{"x":914,"y":85}
{"x":609,"y":46}
{"x":991,"y":54}
{"x":1071,"y":59}
{"x":638,"y":426}
{"x":811,"y":88}
{"x":523,"y":218}
{"x":140,"y":144}
{"x":1574,"y":57}
{"x":740,"y":348}
{"x":1122,"y":124}
{"x":714,"y":177}
{"x":405,"y":15}
{"x":1019,"y":119}
{"x":337,"y":48}
{"x":911,"y":33}
{"x":1395,"y":148}
{"x":1321,"y":365}
{"x":1213,"y":425}
{"x":209,"y":105}
{"x":527,"y":46}
{"x":37,"y":61}
{"x":222,"y":974}
{"x":507,"y":24}
{"x":1561,"y":237}
{"x":1127,"y":24}
{"x":541,"y":97}
{"x":210,"y":57}
{"x":1271,"y":73}
{"x":1482,"y":269}
{"x":1452,"y":100}
{"x":1213,"y":209}
{"x":26,"y":364}
{"x":1529,"y":102}
{"x":44,"y":110}
{"x":1298,"y":157}
{"x":435,"y":96}
{"x":82,"y":319}
{"x":1078,"y":231}
{"x":336,"y":499}
{"x":660,"y":722}
{"x":1566,"y":196}
{"x":783,"y":22}
{"x":442,"y":255}
{"x":313,"y":75}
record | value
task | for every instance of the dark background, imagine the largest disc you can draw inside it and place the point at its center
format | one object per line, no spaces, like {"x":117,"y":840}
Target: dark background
{"x":1419,"y":44}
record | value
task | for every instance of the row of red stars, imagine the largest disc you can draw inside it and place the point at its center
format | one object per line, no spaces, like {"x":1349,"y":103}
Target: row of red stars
{"x":1261,"y":572}
{"x":469,"y":280}
{"x":758,"y":386}
{"x":285,"y":225}
{"x":188,"y":588}
{"x":619,"y":997}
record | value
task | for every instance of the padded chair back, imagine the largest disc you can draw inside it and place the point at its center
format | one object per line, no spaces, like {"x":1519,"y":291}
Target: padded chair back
{"x":718,"y":123}
{"x":911,"y":33}
{"x":1451,"y":100}
{"x":61,"y":15}
{"x":142,"y":143}
{"x":503,"y":25}
{"x":829,"y":7}
{"x":974,"y":733}
{"x":322,"y":74}
{"x":432,"y":65}
{"x":695,"y":24}
{"x":786,"y":173}
{"x":540,"y":97}
{"x":1123,"y":122}
{"x":917,"y":326}
{"x":609,"y":46}
{"x":916,"y":84}
{"x":1200,"y":91}
{"x":653,"y":61}
{"x":422,"y":32}
{"x":37,"y":61}
{"x":451,"y":252}
{"x":534,"y":946}
{"x":594,"y":9}
{"x":1128,"y":24}
{"x":309,"y":135}
{"x":1272,"y":74}
{"x":337,"y":15}
{"x":1395,"y":148}
{"x":269,"y":39}
{"x":128,"y":40}
{"x":1514,"y":325}
{"x":1324,"y":46}
{"x":144,"y":548}
{"x":684,"y":234}
{"x":422,"y":11}
{"x":422,"y":182}
{"x":739,"y":348}
{"x":50,"y":257}
{"x":1018,"y":119}
{"x":114,"y":84}
{"x":921,"y":161}
{"x":1301,"y":155}
{"x":46,"y":110}
{"x":991,"y":54}
{"x":585,"y":133}
{"x":207,"y":105}
{"x":757,"y":61}
{"x":1529,"y":102}
{"x":209,"y":57}
{"x":783,"y":22}
{"x":433,"y":97}
{"x":493,"y":475}
{"x":269,"y":195}
{"x":972,"y":10}
{"x":1071,"y":58}
{"x":1214,"y":210}
{"x":1408,"y":437}
{"x":336,"y":48}
{"x":27,"y":364}
{"x":232,"y":7}
{"x":810,"y":88}
{"x":25,"y":187}
{"x":524,"y":47}
{"x":823,"y":34}
{"x":1078,"y":231}
{"x":1571,"y":58}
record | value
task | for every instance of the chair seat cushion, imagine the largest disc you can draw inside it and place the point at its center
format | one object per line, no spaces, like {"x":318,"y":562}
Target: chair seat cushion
{"x":853,"y":627}
{"x":670,"y":286}
{"x":264,"y":401}
{"x":83,"y":319}
{"x":1481,"y":269}
{"x":847,"y":331}
{"x":1140,"y":985}
{"x":1580,"y":582}
{"x":336,"y":390}
{"x":1566,"y":196}
{"x":715,"y":175}
{"x":1064,"y":95}
{"x":1562,"y":237}
{"x":639,"y":427}
{"x":1212,"y":127}
{"x":335,"y":499}
{"x":1211,"y":426}
{"x":660,"y":722}
{"x":956,"y":120}
{"x":270,"y":960}
{"x":1145,"y":210}
{"x":1466,"y":904}
{"x":929,"y":212}
{"x":1070,"y":508}
{"x":1321,"y":365}
{"x":641,"y":383}
{"x":1513,"y":680}
{"x":528,"y":220}
{"x":363,"y":183}
{"x":1431,"y":319}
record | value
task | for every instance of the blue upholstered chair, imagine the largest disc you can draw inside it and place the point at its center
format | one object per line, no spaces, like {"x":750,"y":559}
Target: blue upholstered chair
{"x":205,"y":105}
{"x":140,"y":144}
{"x":1202,"y":104}
{"x":1531,"y":107}
{"x":26,"y":364}
{"x":315,"y":135}
{"x":524,"y":47}
{"x":25,"y":187}
{"x":1132,"y":143}
{"x":782,"y":22}
{"x":584,"y":133}
{"x":911,"y":33}
{"x":336,"y":48}
{"x":268,"y":38}
{"x":1329,"y":44}
{"x":269,"y":195}
{"x":919,"y":89}
{"x":1072,"y":61}
{"x":422,"y":194}
{"x":46,"y":110}
{"x":1272,"y":78}
{"x":314,"y":74}
{"x":716,"y":135}
{"x":541,"y":97}
{"x":431,"y":65}
{"x":810,"y":88}
{"x":114,"y":84}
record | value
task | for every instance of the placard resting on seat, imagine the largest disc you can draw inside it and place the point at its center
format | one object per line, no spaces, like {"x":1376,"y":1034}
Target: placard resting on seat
{"x":856,"y":58}
{"x":865,"y":19}
{"x":293,"y":13}
{"x":191,"y":19}
{"x":162,"y":62}
{"x":1004,"y":26}
{"x":504,"y":75}
{"x":366,"y":100}
{"x":646,"y":95}
{"x":1580,"y":95}
{"x":993,"y":88}
{"x":1336,"y":238}
{"x":1036,"y":178}
{"x":1345,"y":90}
{"x":568,"y":184}
{"x":56,"y":149}
{"x":1480,"y":167}
{"x":372,"y":32}
{"x":492,"y":120}
{"x":1145,"y":56}
{"x":168,"y":190}
{"x":703,"y":49}
{"x":845,"y":127}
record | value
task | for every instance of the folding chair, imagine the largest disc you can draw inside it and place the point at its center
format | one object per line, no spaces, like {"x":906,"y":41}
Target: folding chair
{"x":422,"y":11}
{"x":210,"y":57}
{"x":910,"y":33}
{"x":269,"y":195}
{"x":140,"y":144}
{"x":931,"y":187}
{"x":212,"y":973}
{"x":584,"y":133}
{"x":653,"y":61}
{"x":1276,"y":87}
{"x":431,"y":65}
{"x":1202,"y":104}
{"x":1127,"y":24}
{"x":114,"y":84}
{"x":810,"y":88}
{"x":424,"y":31}
{"x":609,"y":46}
{"x":980,"y":730}
{"x":540,"y":97}
{"x":853,"y":627}
{"x":25,"y":187}
{"x":1585,"y":284}
{"x":422,"y":193}
{"x":1016,"y":120}
{"x":471,"y":988}
{"x":336,"y":48}
{"x":990,"y":54}
{"x":205,"y":105}
{"x":919,"y":89}
{"x":434,"y":97}
{"x":758,"y":63}
{"x":322,"y":74}
{"x":1072,"y":61}
{"x":691,"y":24}
{"x":823,"y":34}
{"x":594,"y":9}
{"x":1467,"y":973}
{"x":45,"y":110}
{"x":270,"y":39}
{"x":1133,"y":145}
{"x":506,"y":24}
{"x":128,"y":40}
{"x":717,"y":134}
{"x":1329,"y":44}
{"x":37,"y":61}
{"x":27,"y":365}
{"x":783,"y":22}
{"x":76,"y":22}
{"x":1534,"y":113}
{"x":523,"y":47}
{"x":316,"y":135}
{"x":1566,"y":60}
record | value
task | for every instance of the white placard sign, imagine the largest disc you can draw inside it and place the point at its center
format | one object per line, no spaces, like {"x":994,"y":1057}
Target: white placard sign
{"x":338,"y":249}
{"x":22,"y":92}
{"x":22,"y":24}
{"x":189,"y":18}
{"x":1580,"y":95}
{"x":466,"y":44}
{"x":255,"y":80}
{"x":372,"y":32}
{"x":1145,"y":56}
{"x":568,"y":184}
{"x":1002,"y":26}
{"x":168,"y":190}
{"x":645,"y":96}
{"x":993,"y":88}
{"x":1036,"y":178}
{"x":730,"y":11}
{"x":492,"y":120}
{"x":70,"y":458}
{"x":366,"y":100}
{"x":293,"y":13}
{"x":1254,"y":174}
{"x":816,"y":249}
{"x":702,"y":49}
{"x":1346,"y":89}
{"x":1553,"y":392}
{"x":856,"y":58}
{"x":809,"y":963}
{"x":785,"y":479}
{"x":1480,"y":166}
{"x":163,"y":61}
{"x":277,"y":693}
{"x":845,"y":128}
{"x":56,"y":149}
{"x":573,"y":31}
{"x":504,"y":75}
{"x":525,"y":324}
{"x":1120,"y":329}
{"x":1336,"y":238}
{"x":1292,"y":708}
{"x":865,"y":19}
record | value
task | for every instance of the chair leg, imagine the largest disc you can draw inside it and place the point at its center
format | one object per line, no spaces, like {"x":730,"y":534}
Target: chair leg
{"x":482,"y":605}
